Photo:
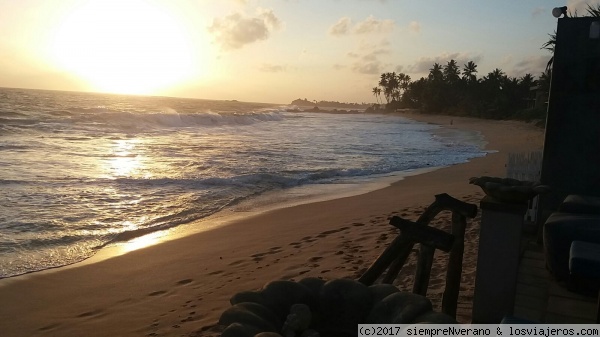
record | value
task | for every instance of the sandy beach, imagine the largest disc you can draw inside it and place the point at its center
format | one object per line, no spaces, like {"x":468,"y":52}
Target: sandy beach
{"x":180,"y":287}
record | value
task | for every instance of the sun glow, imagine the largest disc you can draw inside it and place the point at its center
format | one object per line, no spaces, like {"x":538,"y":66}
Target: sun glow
{"x":124,"y":46}
{"x":126,"y":162}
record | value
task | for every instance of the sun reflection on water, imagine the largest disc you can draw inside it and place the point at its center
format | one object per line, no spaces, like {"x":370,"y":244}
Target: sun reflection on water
{"x":127,"y":160}
{"x":143,"y":241}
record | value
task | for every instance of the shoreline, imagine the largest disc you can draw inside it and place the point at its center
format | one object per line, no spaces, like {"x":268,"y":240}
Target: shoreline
{"x":227,"y":217}
{"x":269,"y":201}
{"x":181,"y":286}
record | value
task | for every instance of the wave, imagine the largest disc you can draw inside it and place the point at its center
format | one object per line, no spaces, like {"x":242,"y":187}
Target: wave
{"x":135,"y":121}
{"x":246,"y":180}
{"x":5,"y":113}
{"x":106,"y":119}
{"x":14,"y":182}
{"x":17,"y":121}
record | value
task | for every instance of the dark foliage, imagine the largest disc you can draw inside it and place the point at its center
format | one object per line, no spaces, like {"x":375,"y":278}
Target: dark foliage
{"x":449,"y":90}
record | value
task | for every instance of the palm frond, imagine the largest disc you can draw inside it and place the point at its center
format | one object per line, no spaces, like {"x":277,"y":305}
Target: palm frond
{"x":549,"y":45}
{"x":593,"y":11}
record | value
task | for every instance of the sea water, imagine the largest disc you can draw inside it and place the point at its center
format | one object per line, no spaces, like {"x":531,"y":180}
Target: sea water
{"x":79,"y":171}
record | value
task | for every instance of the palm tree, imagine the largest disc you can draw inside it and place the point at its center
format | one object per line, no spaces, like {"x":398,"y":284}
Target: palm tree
{"x":544,"y":80}
{"x":383,"y":82}
{"x":451,"y":72}
{"x":593,"y":11}
{"x":496,"y":76}
{"x":469,"y":71}
{"x":404,"y":82}
{"x":389,"y":83}
{"x":549,"y":45}
{"x":435,"y":73}
{"x":393,"y":85}
{"x":376,"y":91}
{"x":527,"y":80}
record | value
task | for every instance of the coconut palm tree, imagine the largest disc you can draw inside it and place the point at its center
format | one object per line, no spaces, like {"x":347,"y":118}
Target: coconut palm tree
{"x":383,"y":83}
{"x":403,"y":83}
{"x":390,"y":84}
{"x":469,"y":71}
{"x":435,"y":73}
{"x":376,"y":92}
{"x":593,"y":11}
{"x":495,"y":76}
{"x":451,"y":72}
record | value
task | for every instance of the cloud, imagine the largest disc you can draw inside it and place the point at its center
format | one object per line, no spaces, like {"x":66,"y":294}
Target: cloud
{"x":533,"y":65}
{"x":370,"y":25}
{"x":369,"y":62}
{"x":370,"y":68}
{"x":579,"y":7}
{"x":272,"y":68}
{"x":342,"y":27}
{"x":414,"y":27}
{"x":539,"y":11}
{"x":423,"y":64}
{"x":236,"y":30}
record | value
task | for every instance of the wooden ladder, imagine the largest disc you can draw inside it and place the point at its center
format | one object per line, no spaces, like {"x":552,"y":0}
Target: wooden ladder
{"x":430,"y":239}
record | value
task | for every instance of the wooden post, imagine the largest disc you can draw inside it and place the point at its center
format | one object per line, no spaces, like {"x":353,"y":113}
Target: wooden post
{"x":497,"y":260}
{"x":454,"y":272}
{"x":423,"y":272}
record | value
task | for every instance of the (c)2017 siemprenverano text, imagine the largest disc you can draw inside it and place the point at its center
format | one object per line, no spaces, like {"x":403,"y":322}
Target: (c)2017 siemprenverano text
{"x":435,"y":330}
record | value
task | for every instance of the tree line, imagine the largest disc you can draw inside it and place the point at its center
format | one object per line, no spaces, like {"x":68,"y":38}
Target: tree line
{"x":455,"y":90}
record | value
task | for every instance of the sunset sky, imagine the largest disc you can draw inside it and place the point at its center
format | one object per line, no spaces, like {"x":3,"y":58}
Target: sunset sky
{"x":262,"y":51}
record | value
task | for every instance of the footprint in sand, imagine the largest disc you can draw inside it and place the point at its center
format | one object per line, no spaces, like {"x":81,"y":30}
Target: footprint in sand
{"x":49,"y":327}
{"x":156,"y":293}
{"x":184,"y":282}
{"x":325,"y":233}
{"x":235,"y":263}
{"x":92,"y":313}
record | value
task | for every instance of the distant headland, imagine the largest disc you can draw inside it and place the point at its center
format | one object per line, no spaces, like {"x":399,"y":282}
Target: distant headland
{"x":331,"y":104}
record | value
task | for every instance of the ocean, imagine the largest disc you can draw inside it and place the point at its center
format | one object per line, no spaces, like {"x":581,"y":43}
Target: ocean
{"x":82,"y":171}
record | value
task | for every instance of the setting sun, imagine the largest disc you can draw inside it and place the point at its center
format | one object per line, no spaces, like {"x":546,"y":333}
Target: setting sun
{"x":135,"y":46}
